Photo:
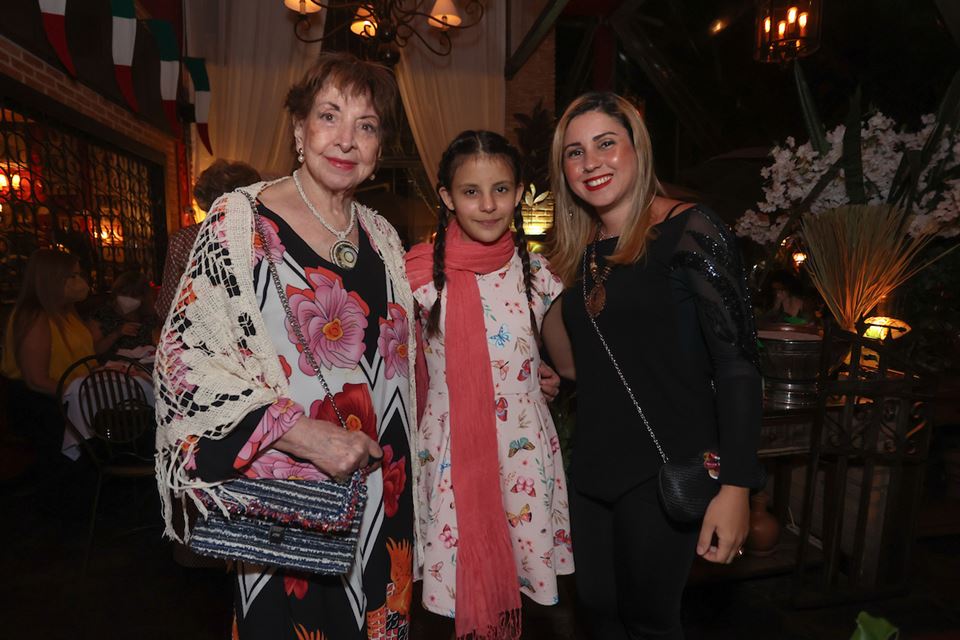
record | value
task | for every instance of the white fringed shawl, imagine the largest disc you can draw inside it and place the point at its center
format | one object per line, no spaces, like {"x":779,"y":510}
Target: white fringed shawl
{"x":216,"y":363}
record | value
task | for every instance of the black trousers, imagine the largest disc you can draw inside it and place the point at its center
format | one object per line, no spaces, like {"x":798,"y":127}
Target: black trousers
{"x":632,"y":564}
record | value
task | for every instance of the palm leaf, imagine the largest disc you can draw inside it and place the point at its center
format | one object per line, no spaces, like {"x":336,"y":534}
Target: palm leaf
{"x":811,"y":118}
{"x":851,"y":159}
{"x":913,"y":163}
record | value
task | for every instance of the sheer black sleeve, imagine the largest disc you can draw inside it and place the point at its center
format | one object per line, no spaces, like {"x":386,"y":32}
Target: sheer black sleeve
{"x":710,"y":264}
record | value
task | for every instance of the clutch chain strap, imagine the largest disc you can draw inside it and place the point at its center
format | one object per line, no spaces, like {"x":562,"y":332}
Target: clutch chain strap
{"x":616,"y":366}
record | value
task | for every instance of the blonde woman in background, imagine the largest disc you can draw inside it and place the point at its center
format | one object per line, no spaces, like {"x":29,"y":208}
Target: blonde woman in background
{"x":44,"y":336}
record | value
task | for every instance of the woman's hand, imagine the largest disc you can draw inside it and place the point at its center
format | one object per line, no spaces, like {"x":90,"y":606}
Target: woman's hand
{"x":329,"y":447}
{"x":549,"y":382}
{"x":727,"y":517}
{"x":129,"y":329}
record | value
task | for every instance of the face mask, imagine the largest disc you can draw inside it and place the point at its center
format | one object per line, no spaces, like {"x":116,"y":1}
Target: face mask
{"x":76,"y":290}
{"x":126,"y":304}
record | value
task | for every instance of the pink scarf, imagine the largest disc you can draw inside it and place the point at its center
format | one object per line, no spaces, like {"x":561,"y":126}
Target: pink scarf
{"x":488,"y":597}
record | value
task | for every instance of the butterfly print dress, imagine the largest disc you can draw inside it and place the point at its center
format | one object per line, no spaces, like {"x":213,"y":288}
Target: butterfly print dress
{"x":531,"y":470}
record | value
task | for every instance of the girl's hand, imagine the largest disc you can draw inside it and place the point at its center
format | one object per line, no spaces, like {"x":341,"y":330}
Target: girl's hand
{"x":727,"y":518}
{"x":329,"y":447}
{"x":549,"y":382}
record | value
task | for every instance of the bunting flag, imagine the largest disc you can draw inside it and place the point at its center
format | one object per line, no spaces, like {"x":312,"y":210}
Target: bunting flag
{"x":124,"y":37}
{"x":197,"y":67}
{"x":169,"y":69}
{"x":55,"y":25}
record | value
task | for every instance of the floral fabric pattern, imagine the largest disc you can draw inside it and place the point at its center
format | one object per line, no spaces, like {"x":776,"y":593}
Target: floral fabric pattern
{"x":355,"y":405}
{"x":394,"y":480}
{"x":532,"y":479}
{"x":279,"y":418}
{"x":274,"y":247}
{"x":392,"y":342}
{"x":332,"y":320}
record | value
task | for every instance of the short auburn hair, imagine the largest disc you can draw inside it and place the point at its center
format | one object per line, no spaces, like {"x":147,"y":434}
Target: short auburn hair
{"x":352,"y":77}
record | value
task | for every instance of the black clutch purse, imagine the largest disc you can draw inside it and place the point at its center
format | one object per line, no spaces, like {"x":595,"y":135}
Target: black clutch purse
{"x":685,"y":486}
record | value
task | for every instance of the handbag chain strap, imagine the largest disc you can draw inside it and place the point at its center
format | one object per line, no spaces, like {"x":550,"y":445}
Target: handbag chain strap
{"x":616,"y":366}
{"x":304,"y":345}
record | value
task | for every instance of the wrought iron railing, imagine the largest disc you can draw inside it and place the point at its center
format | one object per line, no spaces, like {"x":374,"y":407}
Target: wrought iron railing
{"x":63,"y":188}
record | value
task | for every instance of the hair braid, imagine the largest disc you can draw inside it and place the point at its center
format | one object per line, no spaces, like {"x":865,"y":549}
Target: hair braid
{"x":520,"y":240}
{"x":439,"y":276}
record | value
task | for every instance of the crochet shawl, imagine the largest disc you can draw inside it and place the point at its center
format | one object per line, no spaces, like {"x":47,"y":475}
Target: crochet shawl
{"x":216,"y":362}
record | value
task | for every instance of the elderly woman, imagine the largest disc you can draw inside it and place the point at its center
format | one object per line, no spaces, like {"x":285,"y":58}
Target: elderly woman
{"x":236,"y":394}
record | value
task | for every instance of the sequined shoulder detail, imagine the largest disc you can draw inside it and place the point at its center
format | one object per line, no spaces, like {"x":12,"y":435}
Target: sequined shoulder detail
{"x":707,"y":254}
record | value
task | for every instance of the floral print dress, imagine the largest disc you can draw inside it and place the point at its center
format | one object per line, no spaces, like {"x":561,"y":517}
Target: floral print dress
{"x":358,"y":335}
{"x":532,"y":480}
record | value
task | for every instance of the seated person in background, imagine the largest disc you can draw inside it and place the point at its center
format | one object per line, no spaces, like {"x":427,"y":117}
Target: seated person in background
{"x":126,"y":321}
{"x":789,"y":304}
{"x":44,"y":336}
{"x":219,"y":178}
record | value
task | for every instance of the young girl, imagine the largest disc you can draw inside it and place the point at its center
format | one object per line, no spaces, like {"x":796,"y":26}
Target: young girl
{"x":494,"y":516}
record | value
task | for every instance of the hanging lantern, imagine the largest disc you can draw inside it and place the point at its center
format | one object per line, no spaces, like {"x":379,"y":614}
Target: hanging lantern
{"x":364,"y":22}
{"x":787,"y":30}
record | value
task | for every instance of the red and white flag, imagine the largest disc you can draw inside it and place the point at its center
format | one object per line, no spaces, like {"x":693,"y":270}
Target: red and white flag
{"x":55,"y":25}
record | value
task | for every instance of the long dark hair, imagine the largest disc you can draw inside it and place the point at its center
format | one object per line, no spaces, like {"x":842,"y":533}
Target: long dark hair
{"x":467,"y":145}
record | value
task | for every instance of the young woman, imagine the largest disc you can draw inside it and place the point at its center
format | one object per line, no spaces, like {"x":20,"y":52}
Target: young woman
{"x":664,"y":283}
{"x":493,"y":494}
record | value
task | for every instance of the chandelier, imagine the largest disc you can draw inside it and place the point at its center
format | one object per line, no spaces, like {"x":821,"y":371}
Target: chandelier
{"x":386,"y":25}
{"x":787,"y":29}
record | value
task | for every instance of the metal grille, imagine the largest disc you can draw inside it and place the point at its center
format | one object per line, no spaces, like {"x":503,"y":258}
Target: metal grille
{"x":62,"y":188}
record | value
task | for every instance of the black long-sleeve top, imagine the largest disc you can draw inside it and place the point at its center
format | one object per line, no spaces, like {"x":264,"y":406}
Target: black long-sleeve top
{"x":679,"y":323}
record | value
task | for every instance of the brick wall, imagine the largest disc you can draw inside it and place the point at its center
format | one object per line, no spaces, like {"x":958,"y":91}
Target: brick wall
{"x":535,"y":81}
{"x":27,"y":69}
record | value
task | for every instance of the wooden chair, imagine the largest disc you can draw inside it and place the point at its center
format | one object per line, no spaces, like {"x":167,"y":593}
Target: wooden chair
{"x":116,"y":414}
{"x":869,"y":443}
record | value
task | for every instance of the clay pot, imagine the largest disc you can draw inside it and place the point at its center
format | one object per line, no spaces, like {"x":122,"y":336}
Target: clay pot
{"x":764,"y":528}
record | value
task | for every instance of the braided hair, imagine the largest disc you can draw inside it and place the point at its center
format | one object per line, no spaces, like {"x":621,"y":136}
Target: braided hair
{"x":467,"y":145}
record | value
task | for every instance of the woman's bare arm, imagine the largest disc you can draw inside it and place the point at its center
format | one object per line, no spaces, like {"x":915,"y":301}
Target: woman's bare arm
{"x":557,"y":342}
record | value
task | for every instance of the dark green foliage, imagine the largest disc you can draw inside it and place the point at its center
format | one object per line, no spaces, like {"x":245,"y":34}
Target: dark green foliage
{"x":534,"y":134}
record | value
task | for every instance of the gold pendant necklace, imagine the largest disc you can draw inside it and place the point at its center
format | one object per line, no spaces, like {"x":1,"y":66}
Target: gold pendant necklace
{"x":343,"y":253}
{"x":597,"y":298}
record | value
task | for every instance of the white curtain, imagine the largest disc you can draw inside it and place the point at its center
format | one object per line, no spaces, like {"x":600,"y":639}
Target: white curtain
{"x":442,"y":96}
{"x":252,"y":59}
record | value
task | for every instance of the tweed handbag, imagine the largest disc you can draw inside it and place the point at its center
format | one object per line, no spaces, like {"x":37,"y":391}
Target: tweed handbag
{"x":685,"y":486}
{"x":295,"y":524}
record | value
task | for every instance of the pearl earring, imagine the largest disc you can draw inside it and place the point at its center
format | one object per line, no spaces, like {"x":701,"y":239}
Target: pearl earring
{"x":373,"y":177}
{"x":300,"y":155}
